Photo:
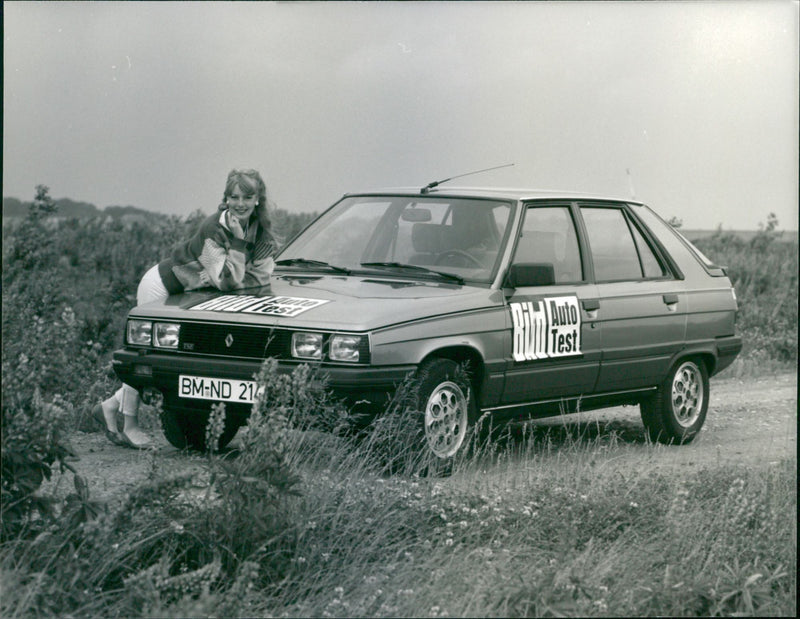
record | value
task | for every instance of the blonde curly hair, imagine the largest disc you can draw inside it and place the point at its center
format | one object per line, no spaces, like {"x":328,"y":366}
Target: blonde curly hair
{"x":250,"y":183}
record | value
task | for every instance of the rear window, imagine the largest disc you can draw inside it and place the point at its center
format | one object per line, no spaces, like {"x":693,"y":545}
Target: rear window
{"x":674,"y":241}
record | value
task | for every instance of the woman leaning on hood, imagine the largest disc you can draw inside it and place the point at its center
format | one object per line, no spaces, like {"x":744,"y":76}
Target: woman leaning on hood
{"x":231,"y":249}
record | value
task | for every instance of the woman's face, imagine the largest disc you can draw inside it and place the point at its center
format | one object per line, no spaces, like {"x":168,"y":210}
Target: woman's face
{"x":240,"y":204}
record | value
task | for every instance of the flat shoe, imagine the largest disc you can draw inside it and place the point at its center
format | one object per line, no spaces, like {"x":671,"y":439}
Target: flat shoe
{"x":127,"y":442}
{"x":114,"y":437}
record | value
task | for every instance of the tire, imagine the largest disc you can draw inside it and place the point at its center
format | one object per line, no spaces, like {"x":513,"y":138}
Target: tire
{"x":186,"y":428}
{"x":447,"y":405}
{"x":678,"y":410}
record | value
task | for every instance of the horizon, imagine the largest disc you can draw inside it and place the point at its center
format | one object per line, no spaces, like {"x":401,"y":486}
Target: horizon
{"x":794,"y":232}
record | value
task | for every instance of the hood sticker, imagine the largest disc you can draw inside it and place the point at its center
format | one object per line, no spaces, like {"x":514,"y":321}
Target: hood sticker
{"x":267,"y":306}
{"x":546,"y":329}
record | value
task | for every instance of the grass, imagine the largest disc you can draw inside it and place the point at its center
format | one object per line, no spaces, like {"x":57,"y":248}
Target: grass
{"x":546,"y":524}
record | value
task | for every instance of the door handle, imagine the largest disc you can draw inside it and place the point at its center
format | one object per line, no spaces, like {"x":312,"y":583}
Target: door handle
{"x":670,"y":299}
{"x":591,"y":305}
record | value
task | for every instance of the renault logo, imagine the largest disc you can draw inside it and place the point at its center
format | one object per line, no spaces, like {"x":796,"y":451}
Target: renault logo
{"x":229,"y":340}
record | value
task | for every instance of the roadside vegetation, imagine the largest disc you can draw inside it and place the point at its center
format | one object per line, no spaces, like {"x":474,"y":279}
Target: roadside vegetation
{"x":307,"y":519}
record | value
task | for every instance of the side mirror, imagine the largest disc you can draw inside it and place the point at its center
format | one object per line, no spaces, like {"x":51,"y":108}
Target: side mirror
{"x":529,"y":274}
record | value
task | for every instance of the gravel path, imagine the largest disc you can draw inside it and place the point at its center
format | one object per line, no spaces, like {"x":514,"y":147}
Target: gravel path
{"x":751,"y":422}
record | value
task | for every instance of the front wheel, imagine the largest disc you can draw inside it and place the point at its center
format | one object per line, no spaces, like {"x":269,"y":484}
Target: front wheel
{"x":448,"y":407}
{"x":187,"y":428}
{"x":678,"y":410}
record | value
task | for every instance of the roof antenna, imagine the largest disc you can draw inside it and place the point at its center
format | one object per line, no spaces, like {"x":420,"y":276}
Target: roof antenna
{"x":430,"y":186}
{"x":630,"y":183}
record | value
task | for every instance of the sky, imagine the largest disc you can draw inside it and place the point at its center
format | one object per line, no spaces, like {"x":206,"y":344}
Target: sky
{"x":691,"y":107}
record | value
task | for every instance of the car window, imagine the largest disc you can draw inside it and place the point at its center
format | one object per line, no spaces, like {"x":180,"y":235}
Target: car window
{"x":453,"y":235}
{"x":344,"y":234}
{"x":650,"y":264}
{"x":613,"y":249}
{"x":548,"y":237}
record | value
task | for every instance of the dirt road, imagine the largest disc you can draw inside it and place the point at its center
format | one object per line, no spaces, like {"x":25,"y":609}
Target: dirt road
{"x":751,"y":422}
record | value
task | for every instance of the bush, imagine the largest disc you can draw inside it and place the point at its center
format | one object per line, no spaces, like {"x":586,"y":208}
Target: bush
{"x":32,"y":441}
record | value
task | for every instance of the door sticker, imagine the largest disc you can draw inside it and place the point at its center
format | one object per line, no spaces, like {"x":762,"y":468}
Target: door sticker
{"x":546,"y":329}
{"x":268,"y":306}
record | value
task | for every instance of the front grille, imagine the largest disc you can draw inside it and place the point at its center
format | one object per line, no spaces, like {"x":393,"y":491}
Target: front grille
{"x":246,"y":342}
{"x":234,"y":340}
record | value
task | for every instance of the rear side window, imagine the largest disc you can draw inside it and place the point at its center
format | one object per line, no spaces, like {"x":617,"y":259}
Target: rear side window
{"x":619,"y":251}
{"x":650,"y":264}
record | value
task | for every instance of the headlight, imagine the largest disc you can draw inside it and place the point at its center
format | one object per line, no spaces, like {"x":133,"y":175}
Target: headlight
{"x":140,"y":332}
{"x":345,"y":348}
{"x":166,"y":334}
{"x":307,"y":345}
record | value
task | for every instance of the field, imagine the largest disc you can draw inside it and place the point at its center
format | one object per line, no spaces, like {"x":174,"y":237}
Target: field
{"x":300,"y":520}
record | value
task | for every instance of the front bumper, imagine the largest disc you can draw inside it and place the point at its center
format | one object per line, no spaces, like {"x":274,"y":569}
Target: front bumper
{"x":145,"y":368}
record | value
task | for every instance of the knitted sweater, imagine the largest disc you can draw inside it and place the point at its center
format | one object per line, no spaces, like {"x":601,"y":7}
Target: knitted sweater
{"x":215,"y":257}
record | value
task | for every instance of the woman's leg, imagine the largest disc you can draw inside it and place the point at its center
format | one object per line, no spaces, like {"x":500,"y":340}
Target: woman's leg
{"x":108,"y":411}
{"x":126,"y":399}
{"x":129,"y":403}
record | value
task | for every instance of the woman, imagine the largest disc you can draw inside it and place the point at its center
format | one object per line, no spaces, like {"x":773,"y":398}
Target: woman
{"x":231,"y":249}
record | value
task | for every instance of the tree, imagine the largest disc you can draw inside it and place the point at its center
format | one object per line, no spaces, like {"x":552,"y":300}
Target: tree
{"x":43,"y":205}
{"x":675,"y":222}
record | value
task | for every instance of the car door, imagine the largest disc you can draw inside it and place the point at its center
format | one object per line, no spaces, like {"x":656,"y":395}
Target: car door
{"x":553,"y":348}
{"x":642,"y":302}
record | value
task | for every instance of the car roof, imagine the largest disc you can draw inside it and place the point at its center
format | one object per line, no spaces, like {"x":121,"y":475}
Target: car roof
{"x":503,"y":193}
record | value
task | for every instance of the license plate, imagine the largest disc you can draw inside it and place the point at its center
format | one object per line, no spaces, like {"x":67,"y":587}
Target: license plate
{"x":217,"y":389}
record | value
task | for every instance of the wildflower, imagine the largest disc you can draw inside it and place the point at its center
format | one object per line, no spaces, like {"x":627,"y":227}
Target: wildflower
{"x":634,"y":504}
{"x":463,"y":524}
{"x":448,"y":541}
{"x":339,"y":591}
{"x":68,"y":316}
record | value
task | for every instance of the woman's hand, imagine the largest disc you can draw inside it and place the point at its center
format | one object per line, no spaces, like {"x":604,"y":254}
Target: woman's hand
{"x":235,"y":226}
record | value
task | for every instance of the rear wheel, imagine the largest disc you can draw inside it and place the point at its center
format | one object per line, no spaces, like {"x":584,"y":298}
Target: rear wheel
{"x":186,"y":427}
{"x":678,"y":410}
{"x":448,"y":407}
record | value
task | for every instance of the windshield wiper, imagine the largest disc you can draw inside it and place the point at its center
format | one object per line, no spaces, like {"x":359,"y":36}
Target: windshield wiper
{"x":413,"y":267}
{"x":311,"y":263}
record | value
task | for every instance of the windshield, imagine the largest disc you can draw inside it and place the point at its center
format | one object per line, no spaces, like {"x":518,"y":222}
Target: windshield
{"x":455,"y":236}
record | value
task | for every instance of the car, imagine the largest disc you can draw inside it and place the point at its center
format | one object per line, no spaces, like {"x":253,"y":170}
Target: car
{"x":548,"y":303}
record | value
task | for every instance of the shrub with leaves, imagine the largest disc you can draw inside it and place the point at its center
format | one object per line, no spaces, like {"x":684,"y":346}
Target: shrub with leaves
{"x":32,"y":442}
